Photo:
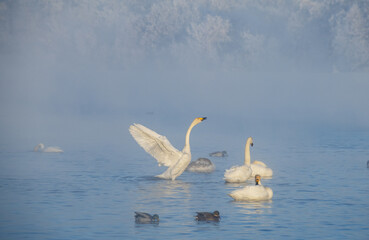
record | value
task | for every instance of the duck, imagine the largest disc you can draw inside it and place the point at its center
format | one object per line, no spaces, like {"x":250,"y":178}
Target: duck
{"x":201,"y":165}
{"x":207,"y":216}
{"x":141,"y":217}
{"x":253,"y":193}
{"x":219,"y":154}
{"x":237,"y":174}
{"x":41,"y":147}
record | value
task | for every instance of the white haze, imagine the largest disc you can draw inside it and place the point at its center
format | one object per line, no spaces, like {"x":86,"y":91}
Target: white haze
{"x":72,"y":71}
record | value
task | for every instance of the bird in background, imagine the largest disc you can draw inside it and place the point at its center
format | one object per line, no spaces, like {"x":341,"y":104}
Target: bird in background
{"x":41,"y":147}
{"x":257,"y":167}
{"x":241,"y":173}
{"x":219,"y":154}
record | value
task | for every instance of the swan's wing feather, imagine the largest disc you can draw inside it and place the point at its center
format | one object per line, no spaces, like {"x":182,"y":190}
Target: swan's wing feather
{"x":156,"y":145}
{"x":260,"y":163}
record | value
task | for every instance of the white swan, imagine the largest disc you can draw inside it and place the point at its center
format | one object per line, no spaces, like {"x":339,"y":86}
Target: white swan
{"x":253,"y":193}
{"x":240,"y":173}
{"x":41,"y":147}
{"x":201,"y":165}
{"x":258,"y":167}
{"x":160,"y":148}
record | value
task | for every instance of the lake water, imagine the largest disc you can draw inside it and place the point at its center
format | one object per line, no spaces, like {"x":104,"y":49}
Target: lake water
{"x":320,"y":184}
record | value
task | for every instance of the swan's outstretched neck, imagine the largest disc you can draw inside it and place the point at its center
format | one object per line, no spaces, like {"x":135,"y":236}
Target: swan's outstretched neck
{"x":247,"y":151}
{"x":194,"y":123}
{"x":187,"y":143}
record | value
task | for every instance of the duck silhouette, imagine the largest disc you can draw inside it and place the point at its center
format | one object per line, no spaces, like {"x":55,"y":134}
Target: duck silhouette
{"x":207,"y":216}
{"x":142,"y":217}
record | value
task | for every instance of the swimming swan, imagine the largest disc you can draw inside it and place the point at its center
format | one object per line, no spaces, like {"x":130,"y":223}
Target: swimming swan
{"x":253,"y":193}
{"x":41,"y":147}
{"x":258,"y":167}
{"x":240,"y":173}
{"x":160,"y":148}
{"x":201,"y":165}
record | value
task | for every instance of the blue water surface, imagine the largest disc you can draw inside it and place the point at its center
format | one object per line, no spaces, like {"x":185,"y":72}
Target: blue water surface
{"x":320,"y":184}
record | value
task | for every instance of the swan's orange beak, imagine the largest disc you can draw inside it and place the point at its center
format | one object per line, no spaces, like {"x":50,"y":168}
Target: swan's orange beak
{"x":202,"y":118}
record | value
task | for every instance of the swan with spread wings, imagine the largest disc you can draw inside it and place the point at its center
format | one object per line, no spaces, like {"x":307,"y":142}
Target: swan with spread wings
{"x":162,"y":150}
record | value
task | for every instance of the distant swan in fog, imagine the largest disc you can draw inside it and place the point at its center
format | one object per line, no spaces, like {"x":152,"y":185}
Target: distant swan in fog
{"x":203,"y":165}
{"x":253,"y":193}
{"x":240,"y":173}
{"x":41,"y":147}
{"x":160,"y":148}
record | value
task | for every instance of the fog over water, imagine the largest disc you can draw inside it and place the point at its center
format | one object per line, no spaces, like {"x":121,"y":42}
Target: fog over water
{"x":262,"y":62}
{"x":76,"y":66}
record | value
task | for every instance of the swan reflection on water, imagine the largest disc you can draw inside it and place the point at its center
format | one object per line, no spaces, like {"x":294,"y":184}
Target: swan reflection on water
{"x":155,"y":189}
{"x":256,"y":207}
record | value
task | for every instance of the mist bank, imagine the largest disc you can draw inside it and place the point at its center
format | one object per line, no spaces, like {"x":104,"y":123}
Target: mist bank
{"x":76,"y":70}
{"x":70,"y":100}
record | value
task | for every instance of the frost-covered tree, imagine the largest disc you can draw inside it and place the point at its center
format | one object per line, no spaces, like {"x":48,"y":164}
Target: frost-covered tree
{"x":208,"y":36}
{"x":307,"y":33}
{"x":351,"y":39}
{"x":166,"y":23}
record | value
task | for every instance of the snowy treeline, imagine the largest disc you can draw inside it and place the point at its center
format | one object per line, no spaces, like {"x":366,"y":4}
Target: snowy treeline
{"x":328,"y":35}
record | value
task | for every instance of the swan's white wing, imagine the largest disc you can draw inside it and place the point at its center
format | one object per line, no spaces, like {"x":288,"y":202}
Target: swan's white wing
{"x":260,"y":163}
{"x":259,"y":169}
{"x":156,"y":145}
{"x":237,"y":174}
